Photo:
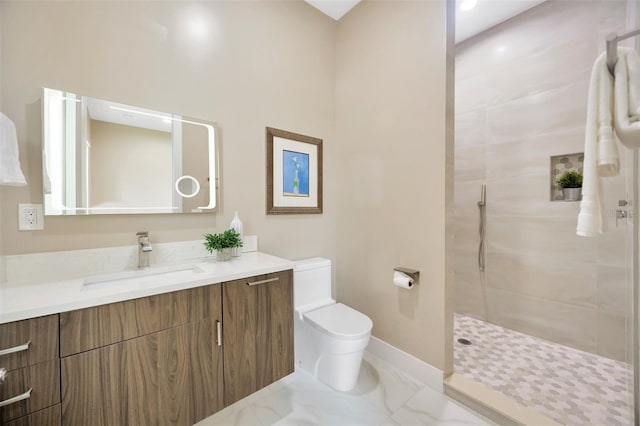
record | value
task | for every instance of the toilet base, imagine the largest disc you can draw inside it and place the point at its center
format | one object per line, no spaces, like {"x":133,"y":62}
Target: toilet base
{"x":340,"y":372}
{"x":335,"y":362}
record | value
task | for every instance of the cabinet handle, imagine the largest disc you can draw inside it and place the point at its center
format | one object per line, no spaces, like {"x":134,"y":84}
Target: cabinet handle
{"x":15,"y":399}
{"x":219,"y":333}
{"x":15,"y":349}
{"x":269,"y":280}
{"x":3,"y":375}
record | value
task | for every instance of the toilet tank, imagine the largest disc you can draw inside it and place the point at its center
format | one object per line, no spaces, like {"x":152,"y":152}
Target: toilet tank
{"x":311,"y":281}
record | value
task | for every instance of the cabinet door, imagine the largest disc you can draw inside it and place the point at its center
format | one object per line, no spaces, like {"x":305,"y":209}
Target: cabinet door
{"x":258,"y":333}
{"x":173,"y":376}
{"x":190,"y":380}
{"x":113,"y":385}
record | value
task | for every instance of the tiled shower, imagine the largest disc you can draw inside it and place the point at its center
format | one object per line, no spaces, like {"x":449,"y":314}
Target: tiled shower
{"x":521,"y":96}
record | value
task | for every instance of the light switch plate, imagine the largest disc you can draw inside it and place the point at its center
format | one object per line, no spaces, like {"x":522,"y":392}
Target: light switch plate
{"x":30,"y":217}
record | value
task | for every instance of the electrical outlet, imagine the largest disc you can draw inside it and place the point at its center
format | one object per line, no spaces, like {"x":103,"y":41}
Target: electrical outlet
{"x":30,"y":217}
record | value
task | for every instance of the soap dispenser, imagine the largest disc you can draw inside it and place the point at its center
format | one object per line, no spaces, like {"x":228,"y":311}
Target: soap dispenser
{"x":236,"y":225}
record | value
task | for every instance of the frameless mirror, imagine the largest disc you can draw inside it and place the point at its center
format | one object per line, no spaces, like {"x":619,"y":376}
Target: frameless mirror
{"x":102,"y":157}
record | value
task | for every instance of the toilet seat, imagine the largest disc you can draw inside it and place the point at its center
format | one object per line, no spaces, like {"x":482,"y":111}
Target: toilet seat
{"x":339,"y":321}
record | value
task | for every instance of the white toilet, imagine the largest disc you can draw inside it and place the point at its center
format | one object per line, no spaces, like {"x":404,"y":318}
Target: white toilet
{"x":330,"y":337}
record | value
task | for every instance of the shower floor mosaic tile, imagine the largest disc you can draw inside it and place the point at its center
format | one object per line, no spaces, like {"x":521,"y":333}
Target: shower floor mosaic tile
{"x":570,"y":386}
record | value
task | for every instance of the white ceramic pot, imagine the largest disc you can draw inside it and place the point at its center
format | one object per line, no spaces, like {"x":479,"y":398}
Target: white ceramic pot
{"x":223,"y":255}
{"x":571,"y":194}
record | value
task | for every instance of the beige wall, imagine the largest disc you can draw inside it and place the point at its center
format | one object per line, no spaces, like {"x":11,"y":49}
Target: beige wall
{"x":129,"y":166}
{"x":261,"y":64}
{"x":391,"y":161}
{"x":379,"y":77}
{"x":521,"y":94}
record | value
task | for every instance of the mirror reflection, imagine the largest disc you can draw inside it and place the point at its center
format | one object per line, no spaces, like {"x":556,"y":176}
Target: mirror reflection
{"x":102,"y":157}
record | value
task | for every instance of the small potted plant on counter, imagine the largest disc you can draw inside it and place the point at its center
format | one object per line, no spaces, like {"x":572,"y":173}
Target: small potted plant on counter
{"x":222,"y":243}
{"x":571,"y":184}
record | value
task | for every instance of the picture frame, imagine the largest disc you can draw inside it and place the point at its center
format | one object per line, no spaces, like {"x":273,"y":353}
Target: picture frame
{"x":294,"y":173}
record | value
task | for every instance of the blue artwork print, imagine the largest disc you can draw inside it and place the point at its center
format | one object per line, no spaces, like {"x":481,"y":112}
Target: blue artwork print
{"x":295,"y":174}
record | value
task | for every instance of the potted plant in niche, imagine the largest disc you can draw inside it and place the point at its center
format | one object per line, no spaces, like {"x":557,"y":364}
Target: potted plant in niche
{"x":571,"y":184}
{"x":222,"y":243}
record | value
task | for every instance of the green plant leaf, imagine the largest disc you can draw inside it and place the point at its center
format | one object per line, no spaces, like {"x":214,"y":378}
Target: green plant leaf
{"x":570,"y":179}
{"x":228,"y":239}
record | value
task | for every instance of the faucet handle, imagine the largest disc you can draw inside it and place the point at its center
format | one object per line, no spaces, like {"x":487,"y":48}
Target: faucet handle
{"x":143,"y":234}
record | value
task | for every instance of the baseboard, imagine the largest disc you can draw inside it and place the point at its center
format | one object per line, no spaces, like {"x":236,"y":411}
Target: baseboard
{"x":426,"y":373}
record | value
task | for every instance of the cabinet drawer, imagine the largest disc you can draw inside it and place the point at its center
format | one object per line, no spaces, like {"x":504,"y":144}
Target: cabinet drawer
{"x":44,"y":381}
{"x":47,"y":417}
{"x":29,"y":342}
{"x":99,"y":326}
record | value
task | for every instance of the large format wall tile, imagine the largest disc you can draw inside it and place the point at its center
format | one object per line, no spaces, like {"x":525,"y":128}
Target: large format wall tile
{"x":544,"y":276}
{"x":543,"y":112}
{"x":612,"y":17}
{"x":470,"y":164}
{"x":614,"y":290}
{"x":466,"y":233}
{"x":559,"y":322}
{"x":469,"y":289}
{"x":553,"y":68}
{"x":471,"y":93}
{"x":550,"y":24}
{"x":612,"y":336}
{"x":471,"y":128}
{"x":527,"y":236}
{"x":531,"y":154}
{"x":613,"y":246}
{"x":465,"y":198}
{"x":527,"y":196}
{"x":521,"y":91}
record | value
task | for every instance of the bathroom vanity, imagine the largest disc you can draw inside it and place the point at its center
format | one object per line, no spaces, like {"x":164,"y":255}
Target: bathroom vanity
{"x":174,"y":357}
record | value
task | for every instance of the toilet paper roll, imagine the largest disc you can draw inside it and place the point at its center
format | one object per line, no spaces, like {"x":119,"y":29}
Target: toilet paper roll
{"x":402,"y":280}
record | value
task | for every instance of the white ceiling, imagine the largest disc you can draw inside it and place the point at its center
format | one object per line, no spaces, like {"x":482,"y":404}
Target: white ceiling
{"x":334,"y":8}
{"x":486,"y":14}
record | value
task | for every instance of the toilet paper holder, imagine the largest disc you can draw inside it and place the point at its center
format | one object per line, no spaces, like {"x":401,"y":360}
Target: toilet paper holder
{"x":413,"y":273}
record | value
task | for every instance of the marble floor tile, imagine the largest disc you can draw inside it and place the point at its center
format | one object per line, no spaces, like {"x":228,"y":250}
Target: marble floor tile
{"x":384,"y":395}
{"x":429,"y":407}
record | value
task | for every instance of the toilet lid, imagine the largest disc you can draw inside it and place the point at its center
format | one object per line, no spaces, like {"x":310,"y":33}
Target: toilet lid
{"x":340,"y":321}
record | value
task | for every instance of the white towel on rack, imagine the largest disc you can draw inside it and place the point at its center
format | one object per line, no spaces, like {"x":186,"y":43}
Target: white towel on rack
{"x":600,"y":150}
{"x":607,"y":159}
{"x":10,"y":171}
{"x":627,"y":98}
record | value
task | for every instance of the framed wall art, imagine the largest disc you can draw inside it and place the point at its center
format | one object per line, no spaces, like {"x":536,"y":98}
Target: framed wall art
{"x":294,"y":173}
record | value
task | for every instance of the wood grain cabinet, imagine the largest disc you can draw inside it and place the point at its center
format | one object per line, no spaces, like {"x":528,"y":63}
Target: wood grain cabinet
{"x":258,"y":333}
{"x":170,"y":375}
{"x":30,"y":393}
{"x":172,"y":359}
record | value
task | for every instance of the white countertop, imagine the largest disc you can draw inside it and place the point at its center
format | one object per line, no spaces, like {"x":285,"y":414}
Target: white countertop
{"x":20,"y":301}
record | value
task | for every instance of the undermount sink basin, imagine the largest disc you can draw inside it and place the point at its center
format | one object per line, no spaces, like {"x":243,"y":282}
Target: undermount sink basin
{"x":141,"y":277}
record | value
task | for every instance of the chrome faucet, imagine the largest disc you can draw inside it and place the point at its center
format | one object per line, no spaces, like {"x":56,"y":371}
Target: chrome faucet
{"x":144,"y":248}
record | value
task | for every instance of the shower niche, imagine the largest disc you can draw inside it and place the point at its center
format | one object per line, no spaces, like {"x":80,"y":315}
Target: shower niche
{"x":560,"y":164}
